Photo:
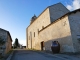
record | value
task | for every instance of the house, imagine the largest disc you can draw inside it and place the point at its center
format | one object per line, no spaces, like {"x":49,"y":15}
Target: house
{"x":55,"y":23}
{"x":6,"y":47}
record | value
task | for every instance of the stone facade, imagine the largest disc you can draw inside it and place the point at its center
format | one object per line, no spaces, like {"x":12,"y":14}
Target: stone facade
{"x":54,"y":24}
{"x":74,"y":20}
{"x":8,"y":43}
{"x":58,"y":31}
{"x":56,"y":11}
{"x":37,"y":24}
{"x":8,"y":40}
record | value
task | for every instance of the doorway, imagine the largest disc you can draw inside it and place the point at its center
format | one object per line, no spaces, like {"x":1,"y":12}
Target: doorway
{"x":42,"y":45}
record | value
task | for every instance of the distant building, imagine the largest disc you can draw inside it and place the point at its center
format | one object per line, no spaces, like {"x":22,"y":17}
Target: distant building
{"x":5,"y":35}
{"x":55,"y":23}
{"x":24,"y":46}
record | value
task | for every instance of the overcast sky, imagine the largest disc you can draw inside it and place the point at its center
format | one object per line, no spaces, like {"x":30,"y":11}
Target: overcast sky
{"x":15,"y":15}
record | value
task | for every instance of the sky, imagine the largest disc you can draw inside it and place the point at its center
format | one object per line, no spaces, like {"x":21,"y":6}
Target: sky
{"x":15,"y":15}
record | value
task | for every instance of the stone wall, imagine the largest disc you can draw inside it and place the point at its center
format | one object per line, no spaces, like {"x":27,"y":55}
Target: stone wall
{"x":42,"y":21}
{"x":57,"y":31}
{"x":57,"y":11}
{"x":8,"y":44}
{"x":46,"y":17}
{"x":3,"y":35}
{"x":74,"y":20}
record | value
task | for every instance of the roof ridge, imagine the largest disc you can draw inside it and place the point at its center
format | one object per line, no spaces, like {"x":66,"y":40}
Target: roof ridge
{"x":55,"y":4}
{"x":45,"y":9}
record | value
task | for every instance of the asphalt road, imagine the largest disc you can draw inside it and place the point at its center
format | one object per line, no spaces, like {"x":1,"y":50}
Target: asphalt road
{"x":33,"y":55}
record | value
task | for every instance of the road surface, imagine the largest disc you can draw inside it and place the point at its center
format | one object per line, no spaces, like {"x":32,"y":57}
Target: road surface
{"x":33,"y":55}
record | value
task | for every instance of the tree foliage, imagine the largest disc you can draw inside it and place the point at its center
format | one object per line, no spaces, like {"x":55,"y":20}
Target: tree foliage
{"x":16,"y":43}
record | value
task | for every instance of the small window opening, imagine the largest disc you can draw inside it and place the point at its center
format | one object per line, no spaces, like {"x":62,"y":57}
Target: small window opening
{"x":34,"y":34}
{"x":38,"y":31}
{"x":29,"y":37}
{"x":42,"y":27}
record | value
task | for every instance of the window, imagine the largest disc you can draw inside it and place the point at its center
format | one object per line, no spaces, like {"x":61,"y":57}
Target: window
{"x":38,"y":31}
{"x":29,"y":37}
{"x":34,"y":34}
{"x":42,"y":27}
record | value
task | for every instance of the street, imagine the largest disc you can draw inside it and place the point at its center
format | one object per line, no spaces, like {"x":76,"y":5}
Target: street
{"x":33,"y":55}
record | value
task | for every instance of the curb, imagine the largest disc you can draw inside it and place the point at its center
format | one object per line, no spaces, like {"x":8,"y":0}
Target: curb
{"x":10,"y":56}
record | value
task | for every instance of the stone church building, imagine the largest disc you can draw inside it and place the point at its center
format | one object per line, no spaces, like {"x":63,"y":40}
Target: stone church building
{"x":55,"y":23}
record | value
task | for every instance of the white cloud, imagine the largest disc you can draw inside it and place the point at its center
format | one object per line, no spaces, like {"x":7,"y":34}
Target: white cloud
{"x":74,"y":5}
{"x":22,"y":42}
{"x":69,"y":7}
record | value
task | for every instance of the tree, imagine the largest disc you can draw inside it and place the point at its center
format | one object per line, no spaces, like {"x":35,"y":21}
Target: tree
{"x":16,"y":43}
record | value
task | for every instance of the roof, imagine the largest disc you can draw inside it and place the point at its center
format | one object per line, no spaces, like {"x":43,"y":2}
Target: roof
{"x":74,"y":11}
{"x":61,"y":17}
{"x":44,"y":10}
{"x":7,"y":32}
{"x":70,"y":13}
